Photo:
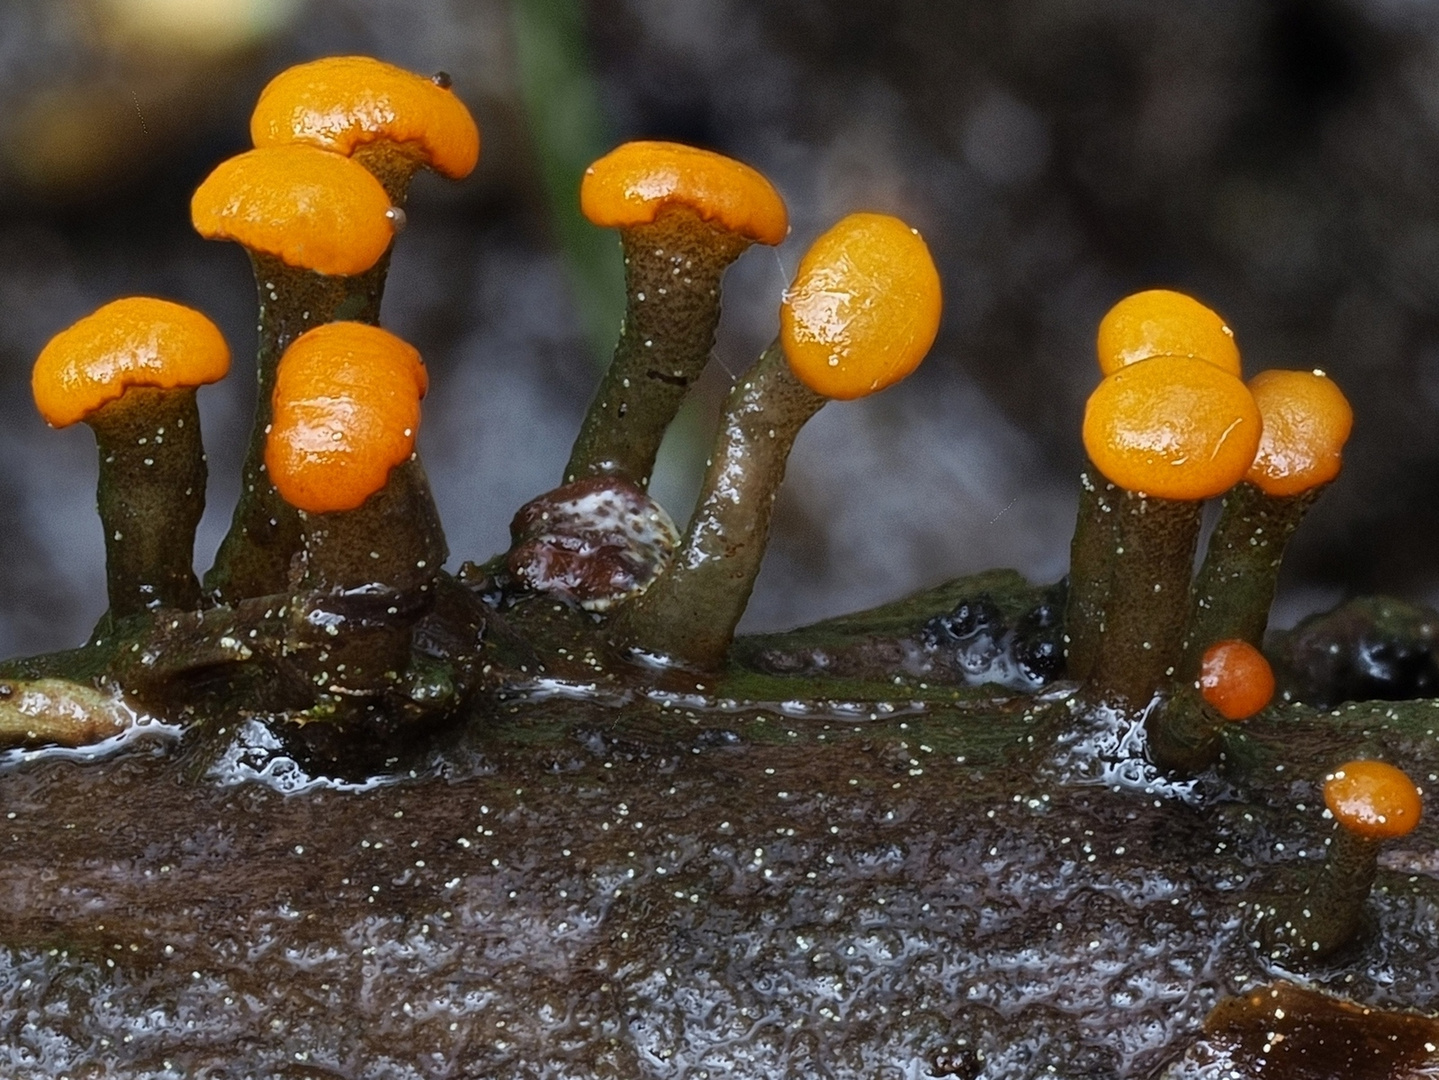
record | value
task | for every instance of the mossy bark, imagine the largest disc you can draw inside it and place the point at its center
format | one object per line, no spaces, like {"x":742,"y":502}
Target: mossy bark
{"x":1091,"y":557}
{"x":673,"y":267}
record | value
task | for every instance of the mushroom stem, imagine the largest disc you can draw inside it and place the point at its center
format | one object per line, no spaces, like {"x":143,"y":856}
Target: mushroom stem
{"x":1329,"y":913}
{"x":1185,"y":735}
{"x":1091,"y":556}
{"x":1147,"y":602}
{"x":254,"y":558}
{"x":151,"y":495}
{"x":690,"y":613}
{"x":1237,"y":582}
{"x":673,"y":267}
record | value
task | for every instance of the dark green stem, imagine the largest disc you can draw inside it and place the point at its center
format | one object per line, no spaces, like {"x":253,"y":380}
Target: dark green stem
{"x":1329,"y":913}
{"x":673,"y":268}
{"x":1148,"y":600}
{"x":254,"y":558}
{"x":1091,"y":557}
{"x":690,"y":613}
{"x":1186,"y":735}
{"x":1235,"y":588}
{"x":151,"y":495}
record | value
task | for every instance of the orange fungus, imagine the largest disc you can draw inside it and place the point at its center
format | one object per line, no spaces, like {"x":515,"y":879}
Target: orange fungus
{"x":1172,"y":427}
{"x":347,"y":406}
{"x":343,"y":102}
{"x":1372,"y":799}
{"x":305,"y":206}
{"x":863,"y":309}
{"x":634,"y":182}
{"x":138,"y":341}
{"x":1235,"y":679}
{"x":1307,"y":420}
{"x":1160,"y":322}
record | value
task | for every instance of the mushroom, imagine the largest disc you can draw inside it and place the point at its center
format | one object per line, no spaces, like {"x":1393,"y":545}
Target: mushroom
{"x":341,"y":451}
{"x":130,"y":371}
{"x":1168,"y":433}
{"x":1186,"y":733}
{"x":317,"y":227}
{"x":1307,"y":421}
{"x":860,"y":315}
{"x":1371,"y":802}
{"x":390,"y":120}
{"x":1156,"y":322}
{"x":684,"y":215}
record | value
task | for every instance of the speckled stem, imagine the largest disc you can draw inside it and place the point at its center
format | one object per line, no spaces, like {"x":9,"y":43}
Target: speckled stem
{"x":673,"y":268}
{"x":1329,"y":913}
{"x":1091,"y":558}
{"x":254,"y":558}
{"x":1237,"y":582}
{"x":1148,"y":602}
{"x":367,"y":576}
{"x":1185,"y":733}
{"x":690,"y":613}
{"x":151,"y":495}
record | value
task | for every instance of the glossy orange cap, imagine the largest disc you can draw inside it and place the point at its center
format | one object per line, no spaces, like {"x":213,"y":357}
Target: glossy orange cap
{"x":863,"y":308}
{"x":305,"y":206}
{"x":342,"y":102}
{"x":1372,"y":799}
{"x":347,"y":406}
{"x":632,"y":183}
{"x":1160,"y":322}
{"x":138,"y":341}
{"x":1236,"y":679}
{"x":1307,"y":420}
{"x":1172,"y":427}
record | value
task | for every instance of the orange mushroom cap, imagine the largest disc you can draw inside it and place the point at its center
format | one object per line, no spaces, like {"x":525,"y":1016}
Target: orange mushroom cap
{"x":347,"y":406}
{"x":342,"y":102}
{"x":1174,"y":427}
{"x":138,"y":341}
{"x":305,"y":206}
{"x":1307,"y":420}
{"x":863,"y":308}
{"x":1235,"y":678}
{"x":1372,"y":799}
{"x":634,"y":182}
{"x":1160,"y":322}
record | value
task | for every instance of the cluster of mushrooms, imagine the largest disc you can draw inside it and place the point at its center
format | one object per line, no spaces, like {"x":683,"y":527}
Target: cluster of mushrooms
{"x":328,"y":603}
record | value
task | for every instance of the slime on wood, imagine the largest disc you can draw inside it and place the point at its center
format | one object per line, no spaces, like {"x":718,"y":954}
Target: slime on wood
{"x":1009,"y":806}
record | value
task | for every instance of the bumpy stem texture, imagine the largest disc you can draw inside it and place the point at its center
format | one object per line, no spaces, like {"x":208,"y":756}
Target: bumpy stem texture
{"x":673,"y":268}
{"x":254,"y":558}
{"x":1091,"y":556}
{"x":1328,"y":914}
{"x":1148,"y":601}
{"x":690,"y":613}
{"x":1235,"y":588}
{"x":151,"y":495}
{"x":1185,"y":735}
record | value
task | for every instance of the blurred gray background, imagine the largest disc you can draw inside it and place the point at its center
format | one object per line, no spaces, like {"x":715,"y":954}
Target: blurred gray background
{"x":1277,"y":159}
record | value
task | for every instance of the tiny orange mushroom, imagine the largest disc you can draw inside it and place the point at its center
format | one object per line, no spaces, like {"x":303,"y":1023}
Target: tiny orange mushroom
{"x":307,"y":207}
{"x":637,"y":181}
{"x":684,"y":216}
{"x":1161,"y":322}
{"x":1372,"y":799}
{"x":346,"y":103}
{"x":1307,"y":420}
{"x":346,"y":409}
{"x":1236,"y":679}
{"x":130,"y":371}
{"x":863,"y":309}
{"x":1172,"y":427}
